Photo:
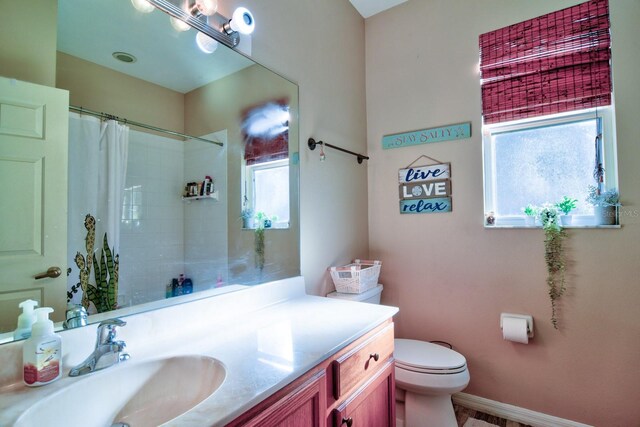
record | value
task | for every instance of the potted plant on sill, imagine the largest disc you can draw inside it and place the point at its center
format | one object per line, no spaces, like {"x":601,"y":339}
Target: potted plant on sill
{"x":605,"y":205}
{"x":553,"y":255}
{"x":246,"y":214}
{"x":530,"y":211}
{"x":566,"y":205}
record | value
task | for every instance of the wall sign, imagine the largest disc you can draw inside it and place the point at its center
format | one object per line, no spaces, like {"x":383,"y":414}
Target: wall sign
{"x":425,"y":189}
{"x":424,"y":173}
{"x":426,"y":136}
{"x":425,"y":205}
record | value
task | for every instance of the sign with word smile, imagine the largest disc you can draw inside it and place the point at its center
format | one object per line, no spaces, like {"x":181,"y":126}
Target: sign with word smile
{"x":425,"y":189}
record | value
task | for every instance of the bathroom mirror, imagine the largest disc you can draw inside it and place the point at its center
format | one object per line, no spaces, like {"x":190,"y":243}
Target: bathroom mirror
{"x":138,"y":66}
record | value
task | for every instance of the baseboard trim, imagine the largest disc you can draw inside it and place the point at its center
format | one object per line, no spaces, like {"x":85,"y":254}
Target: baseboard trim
{"x":511,"y":412}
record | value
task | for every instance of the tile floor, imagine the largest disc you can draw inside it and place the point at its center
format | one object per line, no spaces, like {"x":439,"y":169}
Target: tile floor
{"x":463,"y":414}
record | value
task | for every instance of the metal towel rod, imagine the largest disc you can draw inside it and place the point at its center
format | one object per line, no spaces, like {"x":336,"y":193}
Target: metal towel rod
{"x":312,"y":146}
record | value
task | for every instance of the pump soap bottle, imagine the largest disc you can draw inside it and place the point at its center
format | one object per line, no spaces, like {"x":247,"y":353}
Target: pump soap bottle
{"x":42,"y":352}
{"x":25,"y":320}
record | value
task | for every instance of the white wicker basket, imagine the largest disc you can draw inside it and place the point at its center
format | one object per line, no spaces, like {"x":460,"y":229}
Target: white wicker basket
{"x":356,"y":278}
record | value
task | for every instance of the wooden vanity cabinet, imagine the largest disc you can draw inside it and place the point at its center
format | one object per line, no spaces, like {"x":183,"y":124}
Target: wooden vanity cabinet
{"x":373,"y":405}
{"x":354,"y":388}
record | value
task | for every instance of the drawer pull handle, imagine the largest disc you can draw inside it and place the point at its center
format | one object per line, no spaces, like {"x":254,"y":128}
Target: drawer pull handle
{"x":374,"y":356}
{"x":347,"y":421}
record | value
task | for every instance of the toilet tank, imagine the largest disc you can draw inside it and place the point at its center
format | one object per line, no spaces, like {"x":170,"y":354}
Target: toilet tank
{"x":372,"y":296}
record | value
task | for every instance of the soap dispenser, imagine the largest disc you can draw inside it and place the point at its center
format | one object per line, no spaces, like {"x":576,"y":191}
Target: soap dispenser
{"x":42,"y":352}
{"x":25,"y":320}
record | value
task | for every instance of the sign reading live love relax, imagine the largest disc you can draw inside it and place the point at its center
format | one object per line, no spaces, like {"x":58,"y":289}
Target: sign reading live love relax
{"x":425,"y":136}
{"x":425,"y":189}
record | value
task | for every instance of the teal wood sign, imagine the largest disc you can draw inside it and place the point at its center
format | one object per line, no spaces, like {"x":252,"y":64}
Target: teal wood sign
{"x":415,"y":206}
{"x":425,"y":189}
{"x":426,"y":136}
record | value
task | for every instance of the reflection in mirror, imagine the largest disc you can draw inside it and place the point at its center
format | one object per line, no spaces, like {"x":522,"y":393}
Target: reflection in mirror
{"x":156,"y":217}
{"x":265,"y":129}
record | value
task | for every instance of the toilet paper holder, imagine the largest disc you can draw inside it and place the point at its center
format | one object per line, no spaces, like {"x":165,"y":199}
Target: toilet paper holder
{"x":528,"y":318}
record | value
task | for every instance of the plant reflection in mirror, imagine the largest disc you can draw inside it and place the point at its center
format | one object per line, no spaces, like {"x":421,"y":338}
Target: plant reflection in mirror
{"x":259,"y":239}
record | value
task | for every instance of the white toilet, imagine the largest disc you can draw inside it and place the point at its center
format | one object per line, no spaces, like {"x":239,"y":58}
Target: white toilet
{"x":427,"y":375}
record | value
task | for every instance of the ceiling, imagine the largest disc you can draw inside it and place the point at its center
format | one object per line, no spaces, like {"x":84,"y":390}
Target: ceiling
{"x":369,"y":8}
{"x":94,"y":29}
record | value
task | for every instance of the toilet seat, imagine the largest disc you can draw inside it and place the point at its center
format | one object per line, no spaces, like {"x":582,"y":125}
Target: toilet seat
{"x":427,"y":358}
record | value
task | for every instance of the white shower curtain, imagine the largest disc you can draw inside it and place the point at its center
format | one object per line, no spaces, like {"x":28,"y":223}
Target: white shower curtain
{"x":97,"y":172}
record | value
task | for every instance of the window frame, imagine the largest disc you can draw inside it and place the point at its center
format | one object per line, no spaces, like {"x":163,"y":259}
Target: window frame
{"x":250,"y":195}
{"x":609,"y":158}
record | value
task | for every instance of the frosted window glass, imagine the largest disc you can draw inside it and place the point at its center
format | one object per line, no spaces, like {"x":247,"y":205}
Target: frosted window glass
{"x":271,"y":192}
{"x":541,"y":165}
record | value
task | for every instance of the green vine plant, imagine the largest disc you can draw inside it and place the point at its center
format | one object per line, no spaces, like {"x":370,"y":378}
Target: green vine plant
{"x":554,"y":257}
{"x":259,"y":239}
{"x":104,"y":295}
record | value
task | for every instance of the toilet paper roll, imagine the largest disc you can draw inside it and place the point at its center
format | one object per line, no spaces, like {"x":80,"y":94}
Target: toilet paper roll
{"x":515,"y":329}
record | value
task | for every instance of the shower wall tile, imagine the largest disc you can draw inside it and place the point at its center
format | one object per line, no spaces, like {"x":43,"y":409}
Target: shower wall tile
{"x":155,"y":169}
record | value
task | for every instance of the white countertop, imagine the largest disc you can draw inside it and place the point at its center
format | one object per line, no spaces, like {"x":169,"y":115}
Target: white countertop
{"x":263,"y":345}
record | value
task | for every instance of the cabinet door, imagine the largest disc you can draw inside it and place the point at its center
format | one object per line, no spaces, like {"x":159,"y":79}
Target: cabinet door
{"x":372,"y":405}
{"x":303,"y":407}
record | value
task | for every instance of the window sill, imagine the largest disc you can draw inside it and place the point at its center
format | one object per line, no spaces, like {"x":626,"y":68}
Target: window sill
{"x":533,"y":227}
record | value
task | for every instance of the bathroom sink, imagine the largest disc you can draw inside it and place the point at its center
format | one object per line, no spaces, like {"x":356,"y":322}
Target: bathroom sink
{"x":136,"y":394}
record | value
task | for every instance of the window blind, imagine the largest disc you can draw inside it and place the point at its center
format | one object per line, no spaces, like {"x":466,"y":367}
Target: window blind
{"x":269,"y":139}
{"x":261,"y":150}
{"x":550,"y":64}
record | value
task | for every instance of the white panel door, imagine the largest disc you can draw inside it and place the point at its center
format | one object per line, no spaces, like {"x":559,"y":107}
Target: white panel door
{"x":34,"y":123}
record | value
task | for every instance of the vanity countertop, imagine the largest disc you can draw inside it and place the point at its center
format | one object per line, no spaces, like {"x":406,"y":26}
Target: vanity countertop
{"x":277,"y":335}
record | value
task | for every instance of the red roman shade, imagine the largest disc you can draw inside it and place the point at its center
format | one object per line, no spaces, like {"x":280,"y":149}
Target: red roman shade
{"x":551,"y":64}
{"x":272,"y":143}
{"x":261,"y":150}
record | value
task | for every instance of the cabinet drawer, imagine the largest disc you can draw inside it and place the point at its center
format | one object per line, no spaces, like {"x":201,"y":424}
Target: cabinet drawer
{"x":354,"y":367}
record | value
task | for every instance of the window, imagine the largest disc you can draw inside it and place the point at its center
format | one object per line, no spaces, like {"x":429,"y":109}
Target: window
{"x":546,"y":95}
{"x":540,"y":160}
{"x":268,"y":191}
{"x":265,"y":129}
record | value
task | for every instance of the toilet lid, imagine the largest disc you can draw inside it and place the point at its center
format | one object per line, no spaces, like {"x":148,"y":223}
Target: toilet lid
{"x":421,"y":356}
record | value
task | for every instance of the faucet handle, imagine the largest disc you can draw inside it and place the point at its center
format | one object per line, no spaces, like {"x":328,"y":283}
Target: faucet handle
{"x":107,"y":330}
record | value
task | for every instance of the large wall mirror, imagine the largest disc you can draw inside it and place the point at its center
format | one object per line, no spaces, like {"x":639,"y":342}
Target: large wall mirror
{"x":185,"y":214}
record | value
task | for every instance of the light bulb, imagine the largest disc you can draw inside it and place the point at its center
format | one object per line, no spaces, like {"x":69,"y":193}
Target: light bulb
{"x":242,"y":21}
{"x":206,"y":43}
{"x":205,"y":7}
{"x":178,"y":24}
{"x":143,"y":6}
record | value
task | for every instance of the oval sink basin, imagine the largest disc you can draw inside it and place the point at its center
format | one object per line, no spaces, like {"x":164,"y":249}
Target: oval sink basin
{"x":135,"y":394}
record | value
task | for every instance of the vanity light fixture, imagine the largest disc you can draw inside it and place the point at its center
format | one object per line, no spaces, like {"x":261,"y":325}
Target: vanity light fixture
{"x":206,"y":43}
{"x":203,"y":7}
{"x":203,"y":16}
{"x":241,"y":21}
{"x":178,"y":24}
{"x":143,"y":6}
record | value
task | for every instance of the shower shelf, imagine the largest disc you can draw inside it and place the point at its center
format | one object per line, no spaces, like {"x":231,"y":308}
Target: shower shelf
{"x":213,"y":196}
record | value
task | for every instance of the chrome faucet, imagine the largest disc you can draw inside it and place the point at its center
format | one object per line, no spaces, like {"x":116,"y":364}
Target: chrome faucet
{"x":108,"y":352}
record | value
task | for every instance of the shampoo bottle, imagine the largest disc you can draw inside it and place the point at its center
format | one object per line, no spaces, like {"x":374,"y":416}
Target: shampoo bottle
{"x":42,"y":352}
{"x":25,"y":320}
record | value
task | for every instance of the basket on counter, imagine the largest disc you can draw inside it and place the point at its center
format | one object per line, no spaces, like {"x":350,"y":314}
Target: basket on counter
{"x":356,"y":278}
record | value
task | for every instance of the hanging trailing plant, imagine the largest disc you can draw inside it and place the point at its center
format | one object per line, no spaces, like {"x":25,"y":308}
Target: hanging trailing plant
{"x":259,"y":239}
{"x":553,"y":256}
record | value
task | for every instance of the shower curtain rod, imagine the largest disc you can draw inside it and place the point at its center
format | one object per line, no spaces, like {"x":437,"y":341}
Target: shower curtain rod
{"x":82,"y":110}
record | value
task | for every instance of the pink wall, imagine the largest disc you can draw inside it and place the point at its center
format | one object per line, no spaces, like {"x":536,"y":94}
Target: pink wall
{"x":451,"y":277}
